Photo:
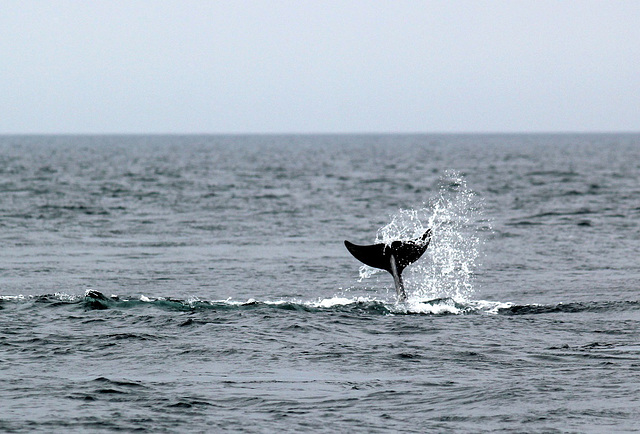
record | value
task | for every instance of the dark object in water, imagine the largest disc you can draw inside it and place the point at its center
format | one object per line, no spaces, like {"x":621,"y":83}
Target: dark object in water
{"x":392,"y":257}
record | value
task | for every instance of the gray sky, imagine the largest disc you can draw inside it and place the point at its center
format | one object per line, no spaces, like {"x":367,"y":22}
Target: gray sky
{"x":318,"y":66}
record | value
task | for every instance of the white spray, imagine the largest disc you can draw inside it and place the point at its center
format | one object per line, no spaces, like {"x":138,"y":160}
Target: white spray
{"x":446,"y":269}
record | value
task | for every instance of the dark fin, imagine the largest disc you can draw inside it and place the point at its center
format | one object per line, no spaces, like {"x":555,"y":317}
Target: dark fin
{"x":379,"y":255}
{"x":393,"y":258}
{"x":376,"y":255}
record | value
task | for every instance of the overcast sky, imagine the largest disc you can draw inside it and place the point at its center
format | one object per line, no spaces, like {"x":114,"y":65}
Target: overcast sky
{"x":318,"y":66}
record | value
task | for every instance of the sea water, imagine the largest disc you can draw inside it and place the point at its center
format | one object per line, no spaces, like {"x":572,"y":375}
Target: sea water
{"x":200,"y":283}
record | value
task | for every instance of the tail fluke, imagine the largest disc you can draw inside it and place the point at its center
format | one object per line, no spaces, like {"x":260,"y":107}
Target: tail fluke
{"x":392,"y":258}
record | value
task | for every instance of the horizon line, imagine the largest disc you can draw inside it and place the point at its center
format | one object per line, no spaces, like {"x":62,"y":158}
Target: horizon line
{"x":353,"y":133}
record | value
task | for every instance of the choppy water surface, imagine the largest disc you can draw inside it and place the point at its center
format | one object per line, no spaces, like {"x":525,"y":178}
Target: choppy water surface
{"x":201,"y":283}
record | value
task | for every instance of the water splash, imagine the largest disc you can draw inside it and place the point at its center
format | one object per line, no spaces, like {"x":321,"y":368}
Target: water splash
{"x":446,"y":269}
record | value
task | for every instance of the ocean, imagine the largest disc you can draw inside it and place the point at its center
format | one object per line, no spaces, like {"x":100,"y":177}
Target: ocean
{"x":201,"y":283}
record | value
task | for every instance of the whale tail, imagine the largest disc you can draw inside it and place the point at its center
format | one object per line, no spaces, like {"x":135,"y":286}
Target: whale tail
{"x":393,"y":257}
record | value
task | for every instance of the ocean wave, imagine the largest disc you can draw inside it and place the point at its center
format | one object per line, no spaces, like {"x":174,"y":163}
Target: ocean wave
{"x":95,"y":300}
